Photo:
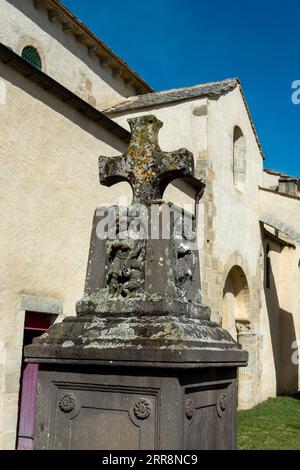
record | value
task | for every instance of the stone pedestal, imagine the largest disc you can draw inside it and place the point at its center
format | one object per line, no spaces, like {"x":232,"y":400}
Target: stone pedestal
{"x":144,"y":393}
{"x":135,"y":404}
{"x":141,"y":366}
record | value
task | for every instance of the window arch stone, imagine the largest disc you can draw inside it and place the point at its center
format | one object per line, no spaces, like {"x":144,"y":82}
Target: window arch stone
{"x":239,"y":157}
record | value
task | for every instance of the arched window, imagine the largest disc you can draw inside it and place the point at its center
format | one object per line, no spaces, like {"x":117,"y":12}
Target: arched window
{"x":239,"y":156}
{"x":31,"y":55}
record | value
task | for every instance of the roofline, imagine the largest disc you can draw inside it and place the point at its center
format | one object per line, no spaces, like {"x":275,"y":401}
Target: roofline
{"x":172,"y":95}
{"x":279,"y":193}
{"x":251,"y":120}
{"x":278,"y":173}
{"x":276,"y":239}
{"x":96,"y":47}
{"x":208,"y":90}
{"x":8,"y":56}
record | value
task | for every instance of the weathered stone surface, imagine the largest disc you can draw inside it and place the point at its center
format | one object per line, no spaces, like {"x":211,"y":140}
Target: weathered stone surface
{"x":161,"y":276}
{"x":144,"y":166}
{"x":142,"y":319}
{"x":150,"y":99}
{"x":127,"y":409}
{"x":170,"y":339}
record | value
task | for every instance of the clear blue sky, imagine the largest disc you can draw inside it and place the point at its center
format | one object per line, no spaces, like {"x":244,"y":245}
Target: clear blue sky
{"x":175,"y":43}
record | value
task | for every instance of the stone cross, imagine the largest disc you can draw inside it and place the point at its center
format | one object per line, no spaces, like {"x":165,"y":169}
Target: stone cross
{"x":145,"y":166}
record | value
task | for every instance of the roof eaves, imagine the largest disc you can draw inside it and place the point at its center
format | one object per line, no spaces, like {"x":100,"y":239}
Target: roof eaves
{"x":50,"y":85}
{"x":173,"y":95}
{"x":70,"y":23}
{"x":250,"y":119}
{"x":279,"y":193}
{"x":278,"y":173}
{"x":278,"y":240}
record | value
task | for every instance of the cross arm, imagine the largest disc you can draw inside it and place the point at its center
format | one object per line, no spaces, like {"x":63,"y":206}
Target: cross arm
{"x":112,"y":170}
{"x":178,"y":164}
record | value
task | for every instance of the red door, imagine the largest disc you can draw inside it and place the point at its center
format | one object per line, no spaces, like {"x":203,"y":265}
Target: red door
{"x":35,"y":325}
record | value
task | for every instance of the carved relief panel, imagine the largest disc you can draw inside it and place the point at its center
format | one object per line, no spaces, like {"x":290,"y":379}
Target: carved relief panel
{"x":208,"y":413}
{"x":111,"y":417}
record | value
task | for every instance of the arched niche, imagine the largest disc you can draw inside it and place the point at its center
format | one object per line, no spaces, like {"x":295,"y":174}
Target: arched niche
{"x":268,"y":266}
{"x":236,"y":300}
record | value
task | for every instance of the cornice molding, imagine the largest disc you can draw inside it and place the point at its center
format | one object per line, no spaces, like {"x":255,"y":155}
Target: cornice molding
{"x":57,"y":12}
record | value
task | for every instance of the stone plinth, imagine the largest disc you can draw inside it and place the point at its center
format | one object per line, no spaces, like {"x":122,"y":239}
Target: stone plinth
{"x":138,"y":398}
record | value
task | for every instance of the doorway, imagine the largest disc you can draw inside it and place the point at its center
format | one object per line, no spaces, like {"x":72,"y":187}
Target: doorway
{"x":35,"y":325}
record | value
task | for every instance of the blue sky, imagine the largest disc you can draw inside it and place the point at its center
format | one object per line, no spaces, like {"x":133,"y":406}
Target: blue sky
{"x":175,"y":43}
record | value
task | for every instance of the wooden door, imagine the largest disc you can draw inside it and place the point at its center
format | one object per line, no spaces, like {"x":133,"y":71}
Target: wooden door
{"x":35,"y":325}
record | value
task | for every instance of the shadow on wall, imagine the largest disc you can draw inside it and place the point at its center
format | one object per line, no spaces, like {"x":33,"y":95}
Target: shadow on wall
{"x":64,"y":109}
{"x":283,"y":336}
{"x":68,"y":41}
{"x":236,"y":300}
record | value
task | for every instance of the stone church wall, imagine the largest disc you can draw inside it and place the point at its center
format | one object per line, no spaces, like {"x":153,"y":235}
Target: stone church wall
{"x":232,"y":235}
{"x":63,"y":58}
{"x":48,"y":193}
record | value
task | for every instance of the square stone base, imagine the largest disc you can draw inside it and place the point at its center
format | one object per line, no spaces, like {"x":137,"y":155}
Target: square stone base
{"x":115,"y":408}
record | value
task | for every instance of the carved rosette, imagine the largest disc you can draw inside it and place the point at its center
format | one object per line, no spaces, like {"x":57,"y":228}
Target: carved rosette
{"x":67,"y":402}
{"x":189,"y":408}
{"x":142,"y":408}
{"x":221,"y":404}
